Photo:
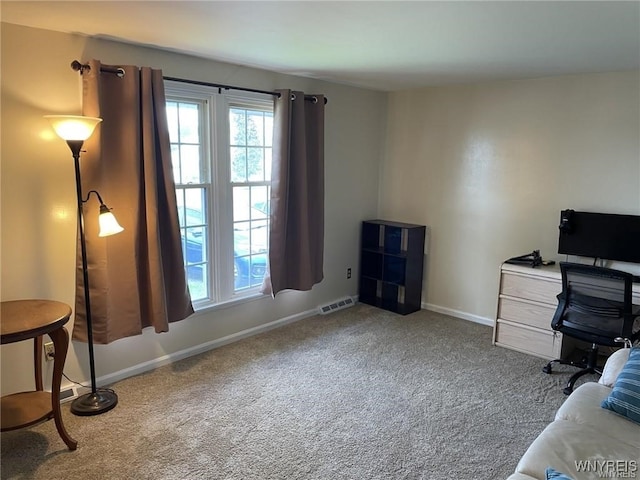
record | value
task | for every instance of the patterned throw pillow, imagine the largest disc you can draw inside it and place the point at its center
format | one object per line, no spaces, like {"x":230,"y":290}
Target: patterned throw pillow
{"x":551,"y":474}
{"x":624,"y":399}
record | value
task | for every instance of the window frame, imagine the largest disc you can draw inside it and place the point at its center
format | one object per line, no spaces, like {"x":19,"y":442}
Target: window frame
{"x":215,"y":142}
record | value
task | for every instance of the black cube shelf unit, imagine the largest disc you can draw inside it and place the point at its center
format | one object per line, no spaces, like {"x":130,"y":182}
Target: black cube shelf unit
{"x":391,"y":264}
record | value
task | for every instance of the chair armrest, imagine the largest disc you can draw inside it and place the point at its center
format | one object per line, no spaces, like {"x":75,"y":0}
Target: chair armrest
{"x":613,"y":367}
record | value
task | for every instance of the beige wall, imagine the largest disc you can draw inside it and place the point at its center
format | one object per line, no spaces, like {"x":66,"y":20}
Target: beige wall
{"x":489,"y":167}
{"x":38,"y":193}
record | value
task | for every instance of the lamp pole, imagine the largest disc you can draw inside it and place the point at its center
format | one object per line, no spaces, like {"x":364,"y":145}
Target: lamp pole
{"x":101,"y":401}
{"x":91,"y":404}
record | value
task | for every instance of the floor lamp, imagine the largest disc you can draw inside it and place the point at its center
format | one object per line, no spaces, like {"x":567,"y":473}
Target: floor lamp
{"x":75,"y":130}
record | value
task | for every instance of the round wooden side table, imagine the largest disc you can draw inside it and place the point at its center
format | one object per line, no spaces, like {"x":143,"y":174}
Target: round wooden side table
{"x":30,"y":319}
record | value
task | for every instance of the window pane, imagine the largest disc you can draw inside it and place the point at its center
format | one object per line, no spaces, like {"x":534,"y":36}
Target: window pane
{"x":241,"y":269}
{"x":241,"y":239}
{"x":189,"y":117}
{"x":195,"y":206}
{"x":267,"y":164}
{"x":190,"y":164}
{"x":175,"y":163}
{"x":255,"y":129}
{"x":241,"y":204}
{"x":237,"y":127}
{"x":259,"y":235}
{"x":255,"y":164}
{"x":249,"y":267}
{"x":238,"y":164}
{"x":259,"y":202}
{"x":172,"y":119}
{"x":249,"y":271}
{"x":197,"y":279}
{"x":258,"y":269}
{"x":268,"y":129}
{"x":180,"y":202}
{"x":195,"y":245}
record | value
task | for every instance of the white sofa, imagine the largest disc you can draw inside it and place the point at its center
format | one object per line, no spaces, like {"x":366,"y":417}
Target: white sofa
{"x":586,"y":441}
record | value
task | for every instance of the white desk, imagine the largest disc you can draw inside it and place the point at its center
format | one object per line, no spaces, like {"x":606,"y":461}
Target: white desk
{"x":526,"y":304}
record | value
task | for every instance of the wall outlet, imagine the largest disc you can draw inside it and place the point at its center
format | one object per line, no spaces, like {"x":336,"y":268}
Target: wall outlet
{"x":49,"y":351}
{"x":348,"y":273}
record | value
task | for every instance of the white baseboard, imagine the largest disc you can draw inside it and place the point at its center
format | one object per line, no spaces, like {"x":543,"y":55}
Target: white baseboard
{"x":459,"y":314}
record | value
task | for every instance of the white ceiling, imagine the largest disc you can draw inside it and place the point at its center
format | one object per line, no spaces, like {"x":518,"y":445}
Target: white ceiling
{"x":384,"y":45}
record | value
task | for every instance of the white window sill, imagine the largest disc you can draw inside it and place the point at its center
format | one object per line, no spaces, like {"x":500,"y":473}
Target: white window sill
{"x":205,"y":306}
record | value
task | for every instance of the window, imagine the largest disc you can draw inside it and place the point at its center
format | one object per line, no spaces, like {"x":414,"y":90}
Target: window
{"x":221,"y":156}
{"x":250,"y":154}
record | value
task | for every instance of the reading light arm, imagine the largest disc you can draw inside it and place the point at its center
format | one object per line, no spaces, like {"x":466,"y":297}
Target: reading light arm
{"x":97,"y":195}
{"x":108,"y":223}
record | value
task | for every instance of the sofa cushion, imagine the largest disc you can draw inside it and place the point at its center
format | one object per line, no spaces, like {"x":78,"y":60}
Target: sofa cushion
{"x":613,"y":367}
{"x":624,"y":399}
{"x":571,"y":448}
{"x":583,"y":408}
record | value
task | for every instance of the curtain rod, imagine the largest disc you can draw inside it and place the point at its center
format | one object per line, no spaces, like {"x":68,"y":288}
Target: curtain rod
{"x":79,"y":67}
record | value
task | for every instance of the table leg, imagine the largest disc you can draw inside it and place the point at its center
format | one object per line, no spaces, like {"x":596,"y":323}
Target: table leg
{"x":37,"y":362}
{"x":60,"y":339}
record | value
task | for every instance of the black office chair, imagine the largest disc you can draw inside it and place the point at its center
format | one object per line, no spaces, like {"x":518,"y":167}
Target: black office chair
{"x":595,"y":306}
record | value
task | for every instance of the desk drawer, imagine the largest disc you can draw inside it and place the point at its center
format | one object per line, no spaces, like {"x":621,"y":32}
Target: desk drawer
{"x":543,"y":344}
{"x":531,"y":288}
{"x":528,"y":313}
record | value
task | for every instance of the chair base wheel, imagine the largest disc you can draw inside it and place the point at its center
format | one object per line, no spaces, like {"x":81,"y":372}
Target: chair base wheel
{"x":546,"y":369}
{"x":567,"y":390}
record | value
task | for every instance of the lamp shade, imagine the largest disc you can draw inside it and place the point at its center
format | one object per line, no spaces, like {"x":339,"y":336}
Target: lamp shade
{"x":73,"y":127}
{"x":108,"y":223}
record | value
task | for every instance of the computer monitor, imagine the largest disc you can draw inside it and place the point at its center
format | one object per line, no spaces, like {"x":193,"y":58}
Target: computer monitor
{"x":600,"y":235}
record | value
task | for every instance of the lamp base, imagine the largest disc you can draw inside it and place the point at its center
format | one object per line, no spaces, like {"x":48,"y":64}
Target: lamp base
{"x":94,"y":403}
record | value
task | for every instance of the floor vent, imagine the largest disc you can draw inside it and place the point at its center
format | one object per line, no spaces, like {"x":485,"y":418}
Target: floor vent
{"x":68,"y":395}
{"x":334,"y":306}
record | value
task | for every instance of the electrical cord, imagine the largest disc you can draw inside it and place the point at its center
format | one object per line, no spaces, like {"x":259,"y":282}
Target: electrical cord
{"x":85,"y":386}
{"x":73,"y":381}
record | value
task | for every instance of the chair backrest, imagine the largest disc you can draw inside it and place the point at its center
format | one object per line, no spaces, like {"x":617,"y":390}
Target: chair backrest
{"x":595,"y":304}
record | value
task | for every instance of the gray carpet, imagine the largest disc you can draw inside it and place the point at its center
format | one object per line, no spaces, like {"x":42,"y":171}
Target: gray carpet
{"x":358,"y":394}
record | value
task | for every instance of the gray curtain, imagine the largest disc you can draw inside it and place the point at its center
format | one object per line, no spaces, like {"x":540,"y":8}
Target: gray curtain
{"x":137,"y":277}
{"x":296,"y":240}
